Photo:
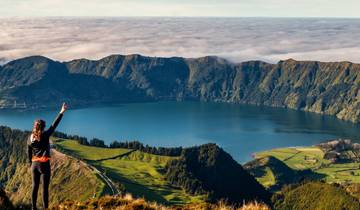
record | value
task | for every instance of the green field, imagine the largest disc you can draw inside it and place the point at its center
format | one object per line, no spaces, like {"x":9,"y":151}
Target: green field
{"x":300,"y":158}
{"x":141,"y":173}
{"x":89,"y":152}
{"x":268,"y":179}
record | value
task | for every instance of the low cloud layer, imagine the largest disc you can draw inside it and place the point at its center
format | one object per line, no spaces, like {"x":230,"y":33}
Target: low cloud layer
{"x":237,"y":39}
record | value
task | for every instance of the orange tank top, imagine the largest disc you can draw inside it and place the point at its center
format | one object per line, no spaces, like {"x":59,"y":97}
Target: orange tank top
{"x":41,"y":159}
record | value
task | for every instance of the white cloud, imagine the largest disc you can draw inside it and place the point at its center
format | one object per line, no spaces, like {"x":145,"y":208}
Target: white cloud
{"x":283,"y":8}
{"x":237,"y":39}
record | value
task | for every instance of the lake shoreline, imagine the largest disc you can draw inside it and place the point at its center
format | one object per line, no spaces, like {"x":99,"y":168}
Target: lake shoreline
{"x":240,"y":129}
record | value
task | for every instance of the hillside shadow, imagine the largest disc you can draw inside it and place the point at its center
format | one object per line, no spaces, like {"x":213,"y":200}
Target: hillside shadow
{"x":283,"y":174}
{"x":137,"y":189}
{"x":299,"y":176}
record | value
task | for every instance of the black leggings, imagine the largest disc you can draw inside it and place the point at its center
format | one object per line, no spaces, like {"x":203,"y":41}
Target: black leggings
{"x":42,"y":170}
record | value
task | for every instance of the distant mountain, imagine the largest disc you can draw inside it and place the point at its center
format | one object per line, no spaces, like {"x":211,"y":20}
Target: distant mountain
{"x":207,"y":169}
{"x":331,"y":88}
{"x":275,"y":174}
{"x":279,"y":173}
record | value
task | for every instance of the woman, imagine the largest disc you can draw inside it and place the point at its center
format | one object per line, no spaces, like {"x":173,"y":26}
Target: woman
{"x":39,"y":157}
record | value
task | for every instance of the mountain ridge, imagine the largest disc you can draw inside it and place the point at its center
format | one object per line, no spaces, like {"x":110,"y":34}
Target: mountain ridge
{"x":331,"y":88}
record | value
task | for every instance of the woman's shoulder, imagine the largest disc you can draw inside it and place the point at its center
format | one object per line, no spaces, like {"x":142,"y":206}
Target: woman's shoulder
{"x":30,"y":139}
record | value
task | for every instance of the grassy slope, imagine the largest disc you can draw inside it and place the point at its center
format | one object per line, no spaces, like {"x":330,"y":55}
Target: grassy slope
{"x":271,"y":172}
{"x":88,"y":152}
{"x":312,"y":158}
{"x":268,"y":179}
{"x":129,"y":203}
{"x":317,"y":196}
{"x":70,"y":179}
{"x":139,"y":172}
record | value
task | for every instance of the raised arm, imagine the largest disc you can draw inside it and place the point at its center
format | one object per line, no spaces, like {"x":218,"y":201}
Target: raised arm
{"x":57,"y":119}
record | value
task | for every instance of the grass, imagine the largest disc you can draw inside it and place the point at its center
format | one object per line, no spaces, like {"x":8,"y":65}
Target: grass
{"x":312,"y":158}
{"x":89,"y":152}
{"x":129,"y":203}
{"x":70,"y":179}
{"x":268,"y":179}
{"x":141,"y":173}
{"x":315,"y":195}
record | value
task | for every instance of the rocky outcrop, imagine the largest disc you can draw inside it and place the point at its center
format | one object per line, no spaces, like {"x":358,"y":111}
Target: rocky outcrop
{"x":331,"y":88}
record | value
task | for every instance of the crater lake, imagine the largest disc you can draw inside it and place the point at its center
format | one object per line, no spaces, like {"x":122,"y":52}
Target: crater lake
{"x":239,"y":129}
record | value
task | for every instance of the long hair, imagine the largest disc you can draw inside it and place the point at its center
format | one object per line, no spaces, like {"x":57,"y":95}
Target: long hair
{"x":38,"y":128}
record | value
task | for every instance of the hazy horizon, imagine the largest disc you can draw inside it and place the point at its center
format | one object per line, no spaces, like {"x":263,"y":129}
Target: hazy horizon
{"x":236,"y":39}
{"x":234,"y":8}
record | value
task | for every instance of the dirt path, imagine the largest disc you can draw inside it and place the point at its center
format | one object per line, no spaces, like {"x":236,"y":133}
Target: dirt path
{"x":288,"y":158}
{"x":106,"y":179}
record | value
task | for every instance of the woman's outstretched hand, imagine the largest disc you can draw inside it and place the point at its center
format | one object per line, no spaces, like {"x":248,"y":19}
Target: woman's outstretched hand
{"x":63,"y":108}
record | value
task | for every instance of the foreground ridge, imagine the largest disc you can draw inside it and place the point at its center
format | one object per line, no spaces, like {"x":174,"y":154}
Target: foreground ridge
{"x":129,"y":203}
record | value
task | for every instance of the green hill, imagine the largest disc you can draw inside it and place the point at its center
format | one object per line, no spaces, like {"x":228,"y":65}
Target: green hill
{"x":315,"y":196}
{"x":199,"y":174}
{"x":141,"y":174}
{"x":274,"y":174}
{"x":209,"y":169}
{"x":312,"y":158}
{"x":271,"y":172}
{"x":71,"y":178}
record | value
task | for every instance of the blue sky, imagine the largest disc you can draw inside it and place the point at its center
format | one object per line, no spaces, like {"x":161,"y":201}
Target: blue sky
{"x":233,"y":8}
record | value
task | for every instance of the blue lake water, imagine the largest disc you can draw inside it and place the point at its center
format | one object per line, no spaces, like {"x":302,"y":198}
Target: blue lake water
{"x":239,"y":129}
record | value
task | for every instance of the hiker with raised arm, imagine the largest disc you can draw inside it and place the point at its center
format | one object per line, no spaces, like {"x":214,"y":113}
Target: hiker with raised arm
{"x":39,"y":157}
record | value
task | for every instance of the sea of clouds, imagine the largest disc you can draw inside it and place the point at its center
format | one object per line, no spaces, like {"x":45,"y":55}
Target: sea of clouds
{"x":237,"y":39}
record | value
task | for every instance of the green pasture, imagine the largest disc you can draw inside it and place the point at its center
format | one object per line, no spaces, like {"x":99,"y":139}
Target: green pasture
{"x":141,"y":173}
{"x":300,"y":158}
{"x":88,"y":152}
